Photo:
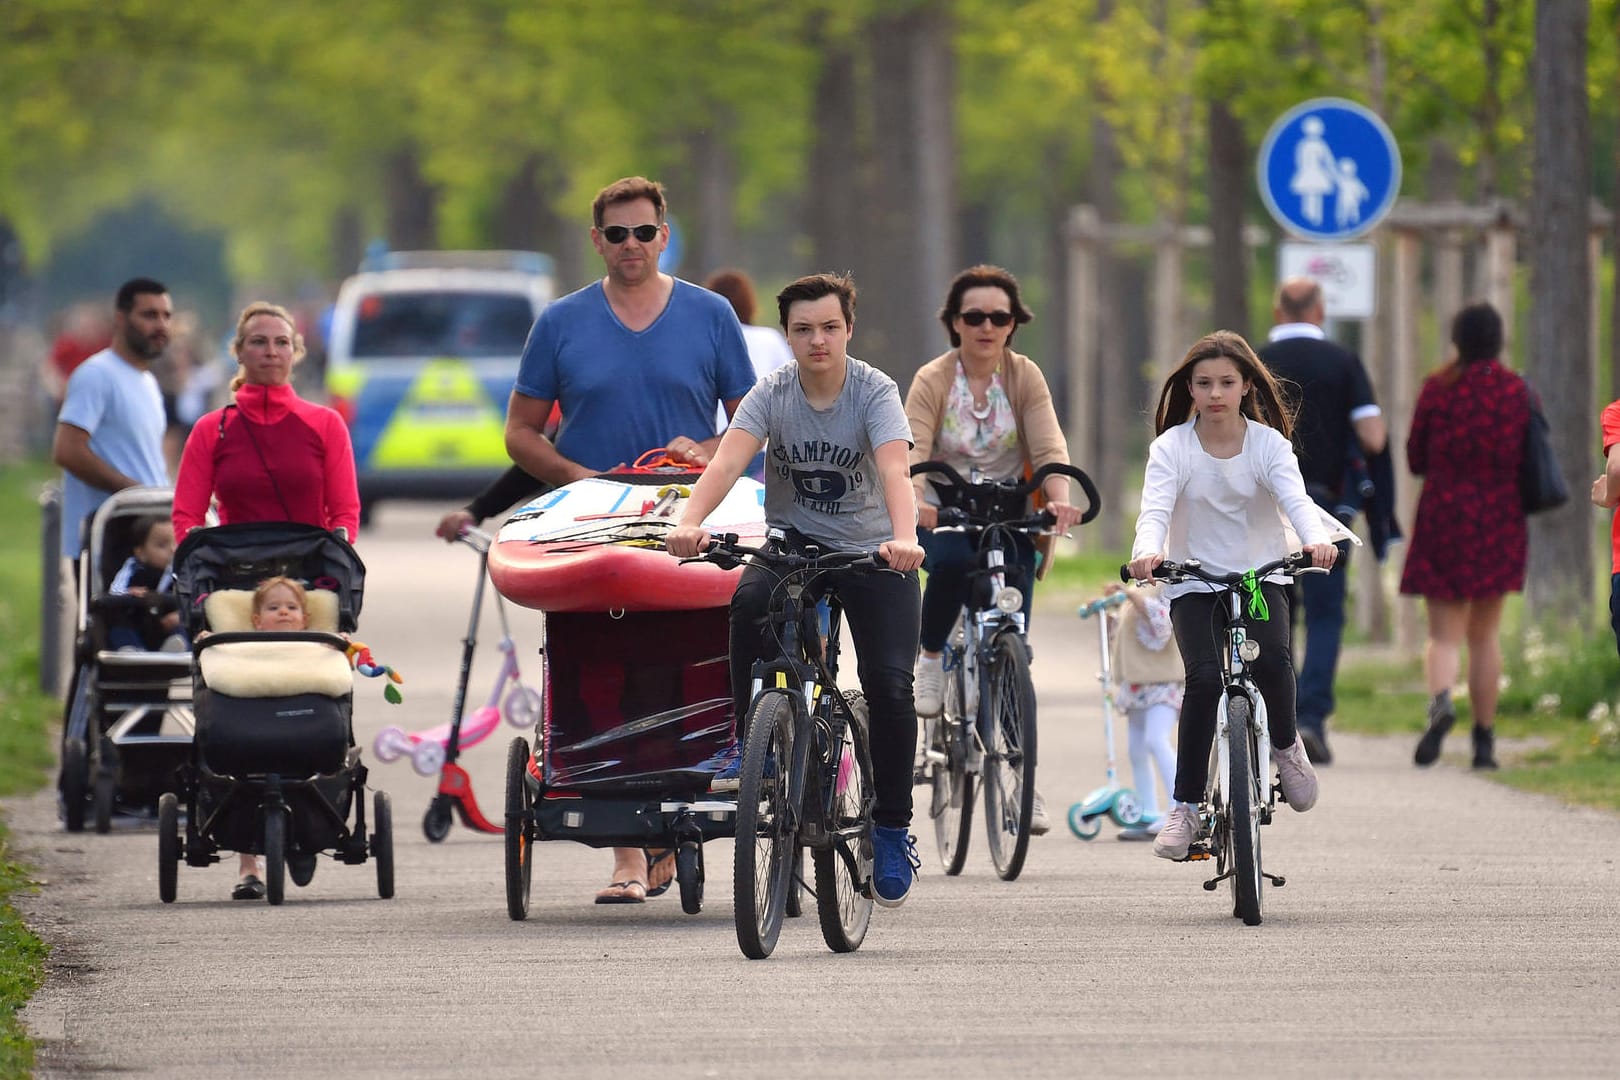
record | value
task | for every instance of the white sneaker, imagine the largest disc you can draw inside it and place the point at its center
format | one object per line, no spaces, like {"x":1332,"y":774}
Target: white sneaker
{"x":1295,"y":776}
{"x":1039,"y":823}
{"x":928,"y":685}
{"x":1177,"y":833}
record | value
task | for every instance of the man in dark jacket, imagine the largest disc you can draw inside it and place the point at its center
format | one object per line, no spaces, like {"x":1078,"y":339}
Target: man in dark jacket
{"x":1336,"y":411}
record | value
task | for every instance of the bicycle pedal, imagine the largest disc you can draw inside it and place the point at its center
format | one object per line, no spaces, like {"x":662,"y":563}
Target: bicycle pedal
{"x":1198,"y":852}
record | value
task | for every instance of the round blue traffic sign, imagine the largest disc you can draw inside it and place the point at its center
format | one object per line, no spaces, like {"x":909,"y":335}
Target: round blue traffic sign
{"x":1329,"y":169}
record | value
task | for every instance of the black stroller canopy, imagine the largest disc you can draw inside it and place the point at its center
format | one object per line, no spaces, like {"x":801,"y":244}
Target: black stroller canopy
{"x":240,"y":556}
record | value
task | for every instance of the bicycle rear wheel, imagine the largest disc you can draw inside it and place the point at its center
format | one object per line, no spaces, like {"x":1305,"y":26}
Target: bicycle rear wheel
{"x":1244,"y":805}
{"x":951,"y":804}
{"x":1009,"y":755}
{"x":766,"y":839}
{"x":843,"y":869}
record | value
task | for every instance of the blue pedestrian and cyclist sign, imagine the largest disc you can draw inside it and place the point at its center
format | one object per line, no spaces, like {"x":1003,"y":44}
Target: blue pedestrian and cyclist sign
{"x":1329,"y":169}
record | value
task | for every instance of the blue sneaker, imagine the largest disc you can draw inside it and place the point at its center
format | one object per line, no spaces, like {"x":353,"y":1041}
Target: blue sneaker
{"x":894,"y":865}
{"x":727,"y":765}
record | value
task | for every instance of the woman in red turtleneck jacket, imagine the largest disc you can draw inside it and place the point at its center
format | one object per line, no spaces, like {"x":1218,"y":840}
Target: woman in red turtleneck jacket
{"x":271,"y":455}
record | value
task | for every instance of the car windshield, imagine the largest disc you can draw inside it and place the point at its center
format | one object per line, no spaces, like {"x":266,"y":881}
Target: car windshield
{"x":417,"y":324}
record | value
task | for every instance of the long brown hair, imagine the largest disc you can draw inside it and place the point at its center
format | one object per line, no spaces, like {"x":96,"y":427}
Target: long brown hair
{"x":1264,"y":403}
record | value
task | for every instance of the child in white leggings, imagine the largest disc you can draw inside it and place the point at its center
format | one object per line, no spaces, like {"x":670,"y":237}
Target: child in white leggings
{"x":1149,"y":681}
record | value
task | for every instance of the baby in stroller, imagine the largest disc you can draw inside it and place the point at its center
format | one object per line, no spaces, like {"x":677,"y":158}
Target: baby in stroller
{"x":275,"y":774}
{"x":146,"y":574}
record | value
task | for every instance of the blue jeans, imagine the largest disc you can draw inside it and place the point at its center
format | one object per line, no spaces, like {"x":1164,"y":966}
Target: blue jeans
{"x":950,"y":558}
{"x":1322,"y":596}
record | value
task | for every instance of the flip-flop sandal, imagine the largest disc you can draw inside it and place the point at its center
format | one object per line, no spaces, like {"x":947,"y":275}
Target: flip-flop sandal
{"x":249,"y":888}
{"x":633,"y":892}
{"x":654,"y":860}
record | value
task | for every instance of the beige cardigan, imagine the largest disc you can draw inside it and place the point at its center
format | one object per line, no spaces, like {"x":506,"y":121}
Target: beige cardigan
{"x":1027,"y":393}
{"x":1031,"y":402}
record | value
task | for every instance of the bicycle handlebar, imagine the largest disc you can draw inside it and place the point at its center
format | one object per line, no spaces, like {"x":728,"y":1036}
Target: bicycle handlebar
{"x":1014,"y":489}
{"x":726,"y":553}
{"x":1293,"y":565}
{"x":475,"y":538}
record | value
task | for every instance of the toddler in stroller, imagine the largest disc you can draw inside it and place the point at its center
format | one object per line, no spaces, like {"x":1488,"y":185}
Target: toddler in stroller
{"x":128,"y":720}
{"x":274,"y":772}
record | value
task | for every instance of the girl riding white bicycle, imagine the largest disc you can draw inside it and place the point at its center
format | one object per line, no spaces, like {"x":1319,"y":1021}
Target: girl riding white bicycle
{"x":1220,"y":477}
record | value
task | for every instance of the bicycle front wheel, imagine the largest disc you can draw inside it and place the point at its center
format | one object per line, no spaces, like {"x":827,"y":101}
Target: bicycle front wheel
{"x":951,"y":802}
{"x":843,"y":869}
{"x":766,"y":840}
{"x":1008,"y":716}
{"x":1244,"y":805}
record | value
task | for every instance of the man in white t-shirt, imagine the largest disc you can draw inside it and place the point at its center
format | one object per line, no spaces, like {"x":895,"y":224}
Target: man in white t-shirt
{"x":109,"y":434}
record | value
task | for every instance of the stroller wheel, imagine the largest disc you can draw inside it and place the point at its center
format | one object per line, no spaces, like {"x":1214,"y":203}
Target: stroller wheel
{"x":106,"y":791}
{"x":275,"y":855}
{"x":75,"y":783}
{"x":382,"y":843}
{"x":1086,"y":828}
{"x":168,"y":846}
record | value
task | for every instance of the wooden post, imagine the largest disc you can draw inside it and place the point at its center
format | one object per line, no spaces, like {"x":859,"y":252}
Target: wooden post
{"x":1165,"y":335}
{"x":1401,"y":396}
{"x":1083,"y":381}
{"x":1501,"y":253}
{"x":1594,"y":259}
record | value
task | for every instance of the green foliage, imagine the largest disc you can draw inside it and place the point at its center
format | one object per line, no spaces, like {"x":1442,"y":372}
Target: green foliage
{"x":26,"y":720}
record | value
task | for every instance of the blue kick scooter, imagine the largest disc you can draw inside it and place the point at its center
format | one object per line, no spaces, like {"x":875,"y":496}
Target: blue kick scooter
{"x":1111,"y":800}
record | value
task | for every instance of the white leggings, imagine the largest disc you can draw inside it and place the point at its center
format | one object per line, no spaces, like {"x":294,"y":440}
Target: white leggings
{"x":1150,"y":730}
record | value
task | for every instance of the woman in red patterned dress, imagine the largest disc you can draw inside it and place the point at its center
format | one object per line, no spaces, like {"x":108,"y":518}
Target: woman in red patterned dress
{"x":1468,"y":546}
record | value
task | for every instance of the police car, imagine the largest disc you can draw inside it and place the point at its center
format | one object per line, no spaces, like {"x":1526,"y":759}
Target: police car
{"x":421,"y":357}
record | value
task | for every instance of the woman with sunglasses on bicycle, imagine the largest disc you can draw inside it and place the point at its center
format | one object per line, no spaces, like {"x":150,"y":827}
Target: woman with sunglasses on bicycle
{"x":979,"y":406}
{"x":1220,"y":477}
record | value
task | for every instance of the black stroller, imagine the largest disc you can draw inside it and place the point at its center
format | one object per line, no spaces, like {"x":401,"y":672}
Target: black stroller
{"x":128,"y":721}
{"x":274,"y":771}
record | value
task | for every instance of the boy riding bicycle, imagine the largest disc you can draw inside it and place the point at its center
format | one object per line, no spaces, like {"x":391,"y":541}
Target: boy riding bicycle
{"x":837,"y":475}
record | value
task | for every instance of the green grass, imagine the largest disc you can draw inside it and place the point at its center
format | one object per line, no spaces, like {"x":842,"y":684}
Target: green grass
{"x":27,"y":718}
{"x":1558,"y":718}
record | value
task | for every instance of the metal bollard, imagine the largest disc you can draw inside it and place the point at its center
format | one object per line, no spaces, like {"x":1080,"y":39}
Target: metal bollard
{"x":50,"y":589}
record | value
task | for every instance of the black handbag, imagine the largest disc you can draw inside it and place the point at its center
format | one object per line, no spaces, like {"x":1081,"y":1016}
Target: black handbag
{"x":1541,"y":481}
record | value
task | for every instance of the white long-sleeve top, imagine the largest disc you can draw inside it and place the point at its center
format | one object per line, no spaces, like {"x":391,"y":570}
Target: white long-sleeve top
{"x":1225,"y":512}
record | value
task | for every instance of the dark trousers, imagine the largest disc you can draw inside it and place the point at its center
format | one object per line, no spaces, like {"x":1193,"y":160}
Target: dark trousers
{"x":1322,"y":596}
{"x":1614,"y":608}
{"x":1199,"y":620}
{"x":951,"y":557}
{"x":881,"y":610}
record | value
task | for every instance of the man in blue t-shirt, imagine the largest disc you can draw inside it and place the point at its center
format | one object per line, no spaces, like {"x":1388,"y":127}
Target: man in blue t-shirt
{"x":109,"y":434}
{"x":637,"y":361}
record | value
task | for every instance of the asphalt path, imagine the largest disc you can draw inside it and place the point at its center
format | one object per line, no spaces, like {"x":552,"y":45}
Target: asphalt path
{"x":1434,"y":924}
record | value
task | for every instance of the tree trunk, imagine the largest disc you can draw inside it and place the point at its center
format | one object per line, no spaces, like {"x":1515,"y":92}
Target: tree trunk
{"x":910,"y":244}
{"x":713,"y":236}
{"x":526,"y":220}
{"x":1229,"y":180}
{"x":1560,"y":579}
{"x":412,"y":203}
{"x":1113,"y":413}
{"x":834,"y":202}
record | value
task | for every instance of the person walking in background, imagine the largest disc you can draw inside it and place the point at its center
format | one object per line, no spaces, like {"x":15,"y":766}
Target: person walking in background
{"x":767,"y":348}
{"x":678,"y":346}
{"x":86,"y":330}
{"x":1469,"y":541}
{"x":109,"y":432}
{"x":1606,"y":493}
{"x":979,"y":406}
{"x":1328,"y":389}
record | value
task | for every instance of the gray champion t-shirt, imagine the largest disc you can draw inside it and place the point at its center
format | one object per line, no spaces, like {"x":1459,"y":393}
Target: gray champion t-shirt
{"x":820,"y":474}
